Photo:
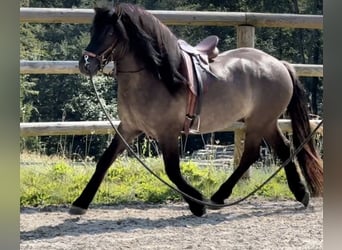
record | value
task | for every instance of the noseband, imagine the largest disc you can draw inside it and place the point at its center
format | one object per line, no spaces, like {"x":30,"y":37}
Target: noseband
{"x":104,"y":58}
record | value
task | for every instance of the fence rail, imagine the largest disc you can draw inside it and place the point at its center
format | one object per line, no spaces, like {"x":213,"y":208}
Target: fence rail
{"x":71,"y":67}
{"x":194,"y":18}
{"x":104,"y":127}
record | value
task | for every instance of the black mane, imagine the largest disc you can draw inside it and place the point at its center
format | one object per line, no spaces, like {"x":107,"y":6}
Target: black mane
{"x":153,"y":43}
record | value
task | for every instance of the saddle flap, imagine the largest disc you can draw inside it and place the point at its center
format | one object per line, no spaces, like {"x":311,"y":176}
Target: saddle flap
{"x":188,"y":72}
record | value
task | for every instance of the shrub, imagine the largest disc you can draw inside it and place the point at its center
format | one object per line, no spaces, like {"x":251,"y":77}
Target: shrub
{"x":126,"y":181}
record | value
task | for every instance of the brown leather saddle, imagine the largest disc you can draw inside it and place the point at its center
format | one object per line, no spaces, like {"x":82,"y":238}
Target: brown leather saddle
{"x":196,"y":69}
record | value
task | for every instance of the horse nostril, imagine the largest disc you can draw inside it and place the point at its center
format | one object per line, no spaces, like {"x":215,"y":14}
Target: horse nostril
{"x":86,"y":62}
{"x":84,"y":67}
{"x":89,"y":64}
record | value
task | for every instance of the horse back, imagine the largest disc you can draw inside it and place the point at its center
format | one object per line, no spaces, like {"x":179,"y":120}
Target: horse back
{"x":252,"y":70}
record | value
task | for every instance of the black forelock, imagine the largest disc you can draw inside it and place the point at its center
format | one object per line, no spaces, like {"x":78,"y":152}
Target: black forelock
{"x":103,"y":17}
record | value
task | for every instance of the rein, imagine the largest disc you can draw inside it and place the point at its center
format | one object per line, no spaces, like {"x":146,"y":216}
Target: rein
{"x":207,"y":203}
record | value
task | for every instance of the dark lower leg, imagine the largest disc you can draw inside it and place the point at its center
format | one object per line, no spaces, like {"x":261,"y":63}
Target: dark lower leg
{"x":296,"y":184}
{"x":249,"y":156}
{"x":294,"y":179}
{"x":108,"y":157}
{"x":196,"y":208}
{"x":172,"y":168}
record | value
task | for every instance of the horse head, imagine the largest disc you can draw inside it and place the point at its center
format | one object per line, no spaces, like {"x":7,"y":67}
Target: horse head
{"x":108,"y":42}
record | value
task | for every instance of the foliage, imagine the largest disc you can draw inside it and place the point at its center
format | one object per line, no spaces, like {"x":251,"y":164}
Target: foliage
{"x":127,"y":182}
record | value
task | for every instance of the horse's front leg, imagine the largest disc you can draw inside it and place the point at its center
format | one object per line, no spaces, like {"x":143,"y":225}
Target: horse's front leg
{"x":169,"y":147}
{"x":81,"y":204}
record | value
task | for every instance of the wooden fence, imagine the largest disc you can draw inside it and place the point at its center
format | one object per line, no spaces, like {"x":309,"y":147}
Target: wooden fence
{"x":245,"y":23}
{"x":71,"y":67}
{"x":191,"y":18}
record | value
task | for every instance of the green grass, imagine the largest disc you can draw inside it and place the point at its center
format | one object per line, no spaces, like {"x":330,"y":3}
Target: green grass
{"x":127,"y":181}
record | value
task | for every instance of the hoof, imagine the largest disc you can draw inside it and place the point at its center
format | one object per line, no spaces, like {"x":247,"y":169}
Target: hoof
{"x":77,"y":210}
{"x":305,"y":200}
{"x":216,"y":201}
{"x":197,"y":210}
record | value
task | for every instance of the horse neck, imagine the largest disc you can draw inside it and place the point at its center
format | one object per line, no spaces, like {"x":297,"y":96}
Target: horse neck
{"x":129,"y":64}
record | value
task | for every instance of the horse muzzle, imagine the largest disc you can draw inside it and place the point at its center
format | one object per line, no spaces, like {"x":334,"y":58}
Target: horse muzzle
{"x":89,"y":64}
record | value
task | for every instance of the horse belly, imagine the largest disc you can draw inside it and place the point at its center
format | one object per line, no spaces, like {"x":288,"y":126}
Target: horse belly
{"x":223,"y":105}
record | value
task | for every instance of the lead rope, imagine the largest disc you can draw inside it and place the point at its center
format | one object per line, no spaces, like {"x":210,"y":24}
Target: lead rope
{"x":206,"y":203}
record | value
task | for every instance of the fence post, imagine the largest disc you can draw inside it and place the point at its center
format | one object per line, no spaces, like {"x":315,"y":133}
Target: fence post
{"x":239,"y":137}
{"x":245,"y":37}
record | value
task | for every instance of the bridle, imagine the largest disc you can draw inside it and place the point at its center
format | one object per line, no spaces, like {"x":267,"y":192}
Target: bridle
{"x":104,"y":58}
{"x":107,"y":56}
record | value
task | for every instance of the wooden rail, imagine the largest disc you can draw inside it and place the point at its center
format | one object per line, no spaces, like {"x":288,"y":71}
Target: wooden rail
{"x":71,"y":67}
{"x":194,"y":18}
{"x":104,"y":127}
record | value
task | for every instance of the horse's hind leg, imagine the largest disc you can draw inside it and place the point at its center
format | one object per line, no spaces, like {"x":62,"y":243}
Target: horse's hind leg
{"x":250,"y":154}
{"x":81,"y":204}
{"x":169,"y":147}
{"x":295,"y":181}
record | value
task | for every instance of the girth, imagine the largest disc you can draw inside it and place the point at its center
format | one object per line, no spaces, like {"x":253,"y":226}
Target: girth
{"x":195,"y":68}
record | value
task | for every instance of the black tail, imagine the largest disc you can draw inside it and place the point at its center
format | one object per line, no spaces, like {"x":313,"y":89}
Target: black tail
{"x":309,"y":160}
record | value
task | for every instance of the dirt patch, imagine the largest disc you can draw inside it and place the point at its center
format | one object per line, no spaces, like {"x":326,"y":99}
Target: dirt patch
{"x":255,"y":224}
